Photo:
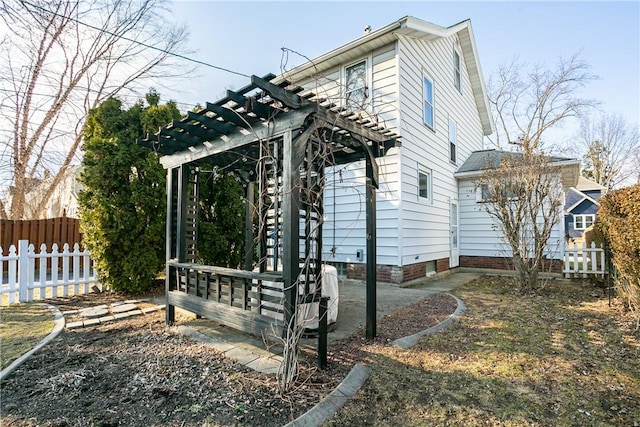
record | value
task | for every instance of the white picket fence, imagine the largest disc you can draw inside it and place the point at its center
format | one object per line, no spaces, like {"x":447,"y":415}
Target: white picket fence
{"x":51,"y":274}
{"x":580,"y":260}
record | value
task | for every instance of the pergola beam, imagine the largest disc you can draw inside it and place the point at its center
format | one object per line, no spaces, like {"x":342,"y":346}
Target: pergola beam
{"x":251,"y":105}
{"x":213,"y":124}
{"x":288,"y":98}
{"x":236,"y":117}
{"x":289,"y":120}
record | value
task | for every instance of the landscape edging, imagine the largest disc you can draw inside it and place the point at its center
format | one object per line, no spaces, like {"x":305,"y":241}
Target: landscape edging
{"x":330,"y":405}
{"x":411,"y":340}
{"x":58,"y":326}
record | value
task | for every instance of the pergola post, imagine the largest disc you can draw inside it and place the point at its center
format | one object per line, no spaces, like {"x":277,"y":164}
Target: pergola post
{"x":181,"y":220}
{"x":170,"y":243}
{"x":291,"y":228}
{"x":248,"y":225}
{"x":370,"y":201}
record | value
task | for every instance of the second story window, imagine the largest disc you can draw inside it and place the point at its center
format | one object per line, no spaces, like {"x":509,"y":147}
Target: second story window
{"x":428,"y":101}
{"x":456,"y":69}
{"x":452,"y":142}
{"x":356,"y":86}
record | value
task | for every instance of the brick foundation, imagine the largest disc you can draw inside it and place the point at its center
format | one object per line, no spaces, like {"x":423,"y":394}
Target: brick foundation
{"x":395,"y":274}
{"x":407,"y":273}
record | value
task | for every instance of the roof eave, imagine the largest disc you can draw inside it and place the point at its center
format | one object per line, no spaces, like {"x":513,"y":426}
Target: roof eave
{"x":414,"y":27}
{"x":570,"y":172}
{"x":324,"y":61}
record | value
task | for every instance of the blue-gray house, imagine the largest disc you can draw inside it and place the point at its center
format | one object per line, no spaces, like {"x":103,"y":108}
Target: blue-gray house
{"x":581,"y":208}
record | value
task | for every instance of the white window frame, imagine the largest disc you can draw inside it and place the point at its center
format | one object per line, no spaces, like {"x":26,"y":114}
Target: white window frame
{"x":431,"y":102}
{"x":453,"y":142}
{"x":428,"y":174}
{"x":582,"y":218}
{"x":365,"y":88}
{"x":457,"y":73}
{"x":483,"y":196}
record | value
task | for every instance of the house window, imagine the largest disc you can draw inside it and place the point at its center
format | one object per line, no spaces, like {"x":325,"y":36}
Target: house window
{"x":424,"y":183}
{"x":356,"y":86}
{"x":456,"y":69}
{"x":485,"y":193}
{"x":452,"y":142}
{"x":428,"y":101}
{"x":582,"y":222}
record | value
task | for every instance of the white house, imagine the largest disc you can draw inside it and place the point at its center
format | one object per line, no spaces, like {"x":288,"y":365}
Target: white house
{"x":424,"y":82}
{"x":481,"y":245}
{"x":64,"y":198}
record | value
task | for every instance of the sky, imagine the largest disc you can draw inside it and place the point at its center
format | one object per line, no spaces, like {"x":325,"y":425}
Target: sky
{"x":248,"y":37}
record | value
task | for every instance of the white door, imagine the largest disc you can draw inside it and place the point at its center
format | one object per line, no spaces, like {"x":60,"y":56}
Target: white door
{"x":454,"y":257}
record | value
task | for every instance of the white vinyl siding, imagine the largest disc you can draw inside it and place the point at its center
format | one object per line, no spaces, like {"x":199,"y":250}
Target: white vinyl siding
{"x":480,"y":233}
{"x":425,"y":227}
{"x":345,"y":220}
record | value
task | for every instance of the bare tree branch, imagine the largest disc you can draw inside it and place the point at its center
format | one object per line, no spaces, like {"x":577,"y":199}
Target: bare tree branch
{"x":526,"y":107}
{"x":57,"y":69}
{"x":609,"y":147}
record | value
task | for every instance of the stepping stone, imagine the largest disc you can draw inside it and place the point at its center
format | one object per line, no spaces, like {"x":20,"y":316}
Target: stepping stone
{"x":122,"y":308}
{"x":131,"y":301}
{"x":94,"y":312}
{"x":74,"y":325}
{"x":117,"y":303}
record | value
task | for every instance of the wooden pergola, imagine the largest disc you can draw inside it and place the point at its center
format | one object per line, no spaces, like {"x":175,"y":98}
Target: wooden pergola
{"x":279,"y":140}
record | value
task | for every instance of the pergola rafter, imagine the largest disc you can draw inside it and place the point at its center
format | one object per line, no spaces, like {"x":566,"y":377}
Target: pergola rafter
{"x":280,"y":139}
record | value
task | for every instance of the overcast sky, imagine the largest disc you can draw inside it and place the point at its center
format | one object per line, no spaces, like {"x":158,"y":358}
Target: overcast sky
{"x":247,"y":37}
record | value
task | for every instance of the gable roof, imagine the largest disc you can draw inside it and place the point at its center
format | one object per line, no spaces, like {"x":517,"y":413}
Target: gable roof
{"x":480,"y":161}
{"x":575,"y":195}
{"x":574,"y":198}
{"x":412,"y":27}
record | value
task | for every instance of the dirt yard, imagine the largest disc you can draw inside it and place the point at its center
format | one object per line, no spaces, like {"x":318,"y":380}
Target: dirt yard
{"x":136,"y":372}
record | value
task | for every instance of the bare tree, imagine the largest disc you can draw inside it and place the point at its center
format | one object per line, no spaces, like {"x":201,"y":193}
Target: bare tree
{"x":609,"y":147}
{"x":523,"y":193}
{"x":60,"y":59}
{"x":528,"y":103}
{"x":524,"y":189}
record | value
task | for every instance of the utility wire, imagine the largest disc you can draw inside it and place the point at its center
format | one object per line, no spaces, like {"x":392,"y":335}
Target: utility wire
{"x":177,"y":55}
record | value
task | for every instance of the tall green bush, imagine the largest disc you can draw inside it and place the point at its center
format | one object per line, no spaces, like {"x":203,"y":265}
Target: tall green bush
{"x":122,"y":206}
{"x":619,"y":221}
{"x":221,"y":225}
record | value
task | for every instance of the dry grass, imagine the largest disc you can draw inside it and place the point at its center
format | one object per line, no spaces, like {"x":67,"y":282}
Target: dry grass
{"x":558,"y":358}
{"x":22,"y":326}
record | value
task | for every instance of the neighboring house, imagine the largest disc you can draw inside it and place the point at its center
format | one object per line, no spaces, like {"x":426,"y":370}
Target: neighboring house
{"x":63,"y":201}
{"x":480,"y":244}
{"x":424,"y":82}
{"x":581,"y":208}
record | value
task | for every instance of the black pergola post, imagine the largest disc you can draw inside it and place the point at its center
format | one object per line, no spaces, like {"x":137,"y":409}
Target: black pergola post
{"x":370,"y":201}
{"x":291,"y":229}
{"x":248,"y":225}
{"x":170,"y":236}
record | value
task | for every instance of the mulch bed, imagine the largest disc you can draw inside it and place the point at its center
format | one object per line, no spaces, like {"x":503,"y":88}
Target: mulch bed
{"x":135,"y":371}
